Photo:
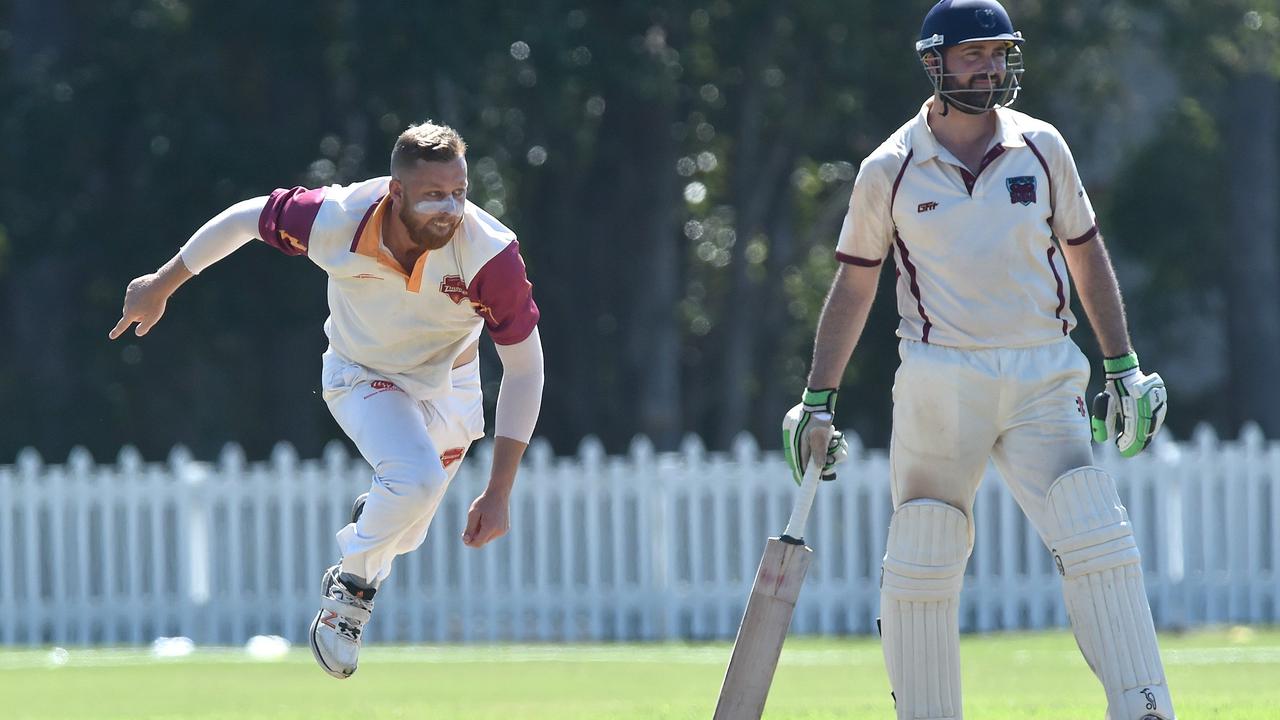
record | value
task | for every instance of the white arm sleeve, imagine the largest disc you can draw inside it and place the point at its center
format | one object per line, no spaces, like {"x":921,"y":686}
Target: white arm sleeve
{"x":520,"y":395}
{"x":222,"y":235}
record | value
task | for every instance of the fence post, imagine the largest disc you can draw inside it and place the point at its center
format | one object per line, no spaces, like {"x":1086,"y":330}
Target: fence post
{"x":30,"y":477}
{"x":192,"y":544}
{"x":1251,"y":538}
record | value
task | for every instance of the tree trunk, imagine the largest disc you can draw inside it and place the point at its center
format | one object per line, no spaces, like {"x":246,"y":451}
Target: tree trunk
{"x":776,"y":395}
{"x":1252,"y":283}
{"x":759,"y":180}
{"x":654,"y":331}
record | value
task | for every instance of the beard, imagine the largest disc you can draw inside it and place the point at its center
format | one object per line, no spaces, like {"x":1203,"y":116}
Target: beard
{"x":979,"y":96}
{"x":431,"y":234}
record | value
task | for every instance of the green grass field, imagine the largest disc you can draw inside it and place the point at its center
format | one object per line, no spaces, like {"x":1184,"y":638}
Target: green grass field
{"x":1230,"y":674}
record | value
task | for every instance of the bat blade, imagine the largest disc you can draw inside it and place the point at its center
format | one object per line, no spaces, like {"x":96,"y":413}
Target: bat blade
{"x":763,"y":629}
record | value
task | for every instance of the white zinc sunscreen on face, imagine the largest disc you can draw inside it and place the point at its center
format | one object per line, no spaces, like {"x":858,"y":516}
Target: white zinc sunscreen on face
{"x":450,"y":206}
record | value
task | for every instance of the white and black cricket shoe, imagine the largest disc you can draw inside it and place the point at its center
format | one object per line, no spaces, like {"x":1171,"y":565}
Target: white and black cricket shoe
{"x":336,"y":631}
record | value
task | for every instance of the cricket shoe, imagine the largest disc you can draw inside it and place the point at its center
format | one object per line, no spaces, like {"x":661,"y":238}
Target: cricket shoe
{"x":337,"y":628}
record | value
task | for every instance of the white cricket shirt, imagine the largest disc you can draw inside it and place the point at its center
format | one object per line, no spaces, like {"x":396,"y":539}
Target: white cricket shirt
{"x":407,"y":327}
{"x":978,"y":257}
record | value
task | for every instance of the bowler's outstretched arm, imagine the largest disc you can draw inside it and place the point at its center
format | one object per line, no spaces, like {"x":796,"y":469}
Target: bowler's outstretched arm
{"x":146,"y":296}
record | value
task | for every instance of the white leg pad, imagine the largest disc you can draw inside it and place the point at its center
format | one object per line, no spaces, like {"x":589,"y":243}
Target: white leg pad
{"x":928,"y":548}
{"x":1097,"y":556}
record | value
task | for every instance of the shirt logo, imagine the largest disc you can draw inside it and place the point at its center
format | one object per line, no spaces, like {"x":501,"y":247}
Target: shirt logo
{"x":366,"y":276}
{"x":297,"y":244}
{"x":1022,"y":189}
{"x":453,"y":286}
{"x":926,"y":207}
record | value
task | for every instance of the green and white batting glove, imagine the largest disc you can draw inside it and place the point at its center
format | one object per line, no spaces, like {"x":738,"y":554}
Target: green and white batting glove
{"x":806,"y":423}
{"x":1131,"y":407}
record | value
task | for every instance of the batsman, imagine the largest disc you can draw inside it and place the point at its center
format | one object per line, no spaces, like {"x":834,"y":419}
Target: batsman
{"x":984,"y":213}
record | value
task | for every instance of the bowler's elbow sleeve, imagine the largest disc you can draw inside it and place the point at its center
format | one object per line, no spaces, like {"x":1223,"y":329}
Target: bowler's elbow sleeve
{"x":223,"y":235}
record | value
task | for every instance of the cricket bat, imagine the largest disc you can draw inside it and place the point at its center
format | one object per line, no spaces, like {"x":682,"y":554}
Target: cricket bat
{"x":768,"y":615}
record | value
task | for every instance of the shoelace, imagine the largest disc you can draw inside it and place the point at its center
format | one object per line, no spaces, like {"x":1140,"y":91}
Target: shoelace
{"x":348,"y":626}
{"x":350,"y":630}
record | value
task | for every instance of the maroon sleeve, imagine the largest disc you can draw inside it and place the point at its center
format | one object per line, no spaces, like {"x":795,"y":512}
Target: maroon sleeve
{"x":285,"y":222}
{"x":503,"y":296}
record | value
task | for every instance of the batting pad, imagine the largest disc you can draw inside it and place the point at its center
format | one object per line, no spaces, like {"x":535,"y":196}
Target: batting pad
{"x":924,"y":561}
{"x":1098,"y":558}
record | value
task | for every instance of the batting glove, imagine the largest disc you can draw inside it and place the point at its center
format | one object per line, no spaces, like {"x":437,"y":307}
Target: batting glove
{"x":1131,"y":407}
{"x":804,"y":423}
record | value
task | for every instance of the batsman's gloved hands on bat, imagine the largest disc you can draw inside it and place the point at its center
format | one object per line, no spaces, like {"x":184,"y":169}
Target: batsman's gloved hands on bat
{"x":808,"y":425}
{"x":1131,"y":407}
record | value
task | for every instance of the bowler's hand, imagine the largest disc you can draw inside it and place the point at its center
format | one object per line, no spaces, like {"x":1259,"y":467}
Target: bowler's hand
{"x":488,"y":519}
{"x":144,"y":303}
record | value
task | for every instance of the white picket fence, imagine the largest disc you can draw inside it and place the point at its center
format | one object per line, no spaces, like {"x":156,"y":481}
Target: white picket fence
{"x":642,"y":546}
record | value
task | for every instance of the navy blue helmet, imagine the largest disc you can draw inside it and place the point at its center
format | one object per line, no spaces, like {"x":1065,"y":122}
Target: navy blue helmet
{"x":954,"y":22}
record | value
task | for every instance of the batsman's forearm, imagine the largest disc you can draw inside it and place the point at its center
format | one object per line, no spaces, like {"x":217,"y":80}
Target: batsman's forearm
{"x":506,"y":461}
{"x":1100,"y":294}
{"x":844,"y":315}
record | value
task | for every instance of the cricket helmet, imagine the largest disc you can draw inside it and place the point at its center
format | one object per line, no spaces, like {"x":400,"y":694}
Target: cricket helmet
{"x":955,"y":22}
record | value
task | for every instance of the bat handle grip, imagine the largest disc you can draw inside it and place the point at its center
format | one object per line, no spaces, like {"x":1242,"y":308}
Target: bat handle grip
{"x":804,"y":502}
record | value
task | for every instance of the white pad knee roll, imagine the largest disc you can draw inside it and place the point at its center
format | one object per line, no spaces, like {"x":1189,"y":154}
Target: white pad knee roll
{"x":1098,"y":558}
{"x":925,"y":556}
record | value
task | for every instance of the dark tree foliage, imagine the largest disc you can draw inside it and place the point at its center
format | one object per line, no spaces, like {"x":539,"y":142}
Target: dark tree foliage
{"x":677,"y":173}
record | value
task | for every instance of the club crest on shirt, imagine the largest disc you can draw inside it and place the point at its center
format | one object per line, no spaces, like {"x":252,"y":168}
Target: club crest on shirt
{"x":1022,"y":189}
{"x":453,"y":286}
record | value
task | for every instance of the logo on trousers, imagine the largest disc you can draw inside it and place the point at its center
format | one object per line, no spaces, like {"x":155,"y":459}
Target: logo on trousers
{"x":381,"y":386}
{"x":451,"y":456}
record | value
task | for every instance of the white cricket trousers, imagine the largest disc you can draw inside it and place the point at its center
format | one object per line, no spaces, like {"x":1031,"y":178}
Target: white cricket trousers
{"x":414,"y":447}
{"x":1022,"y":407}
